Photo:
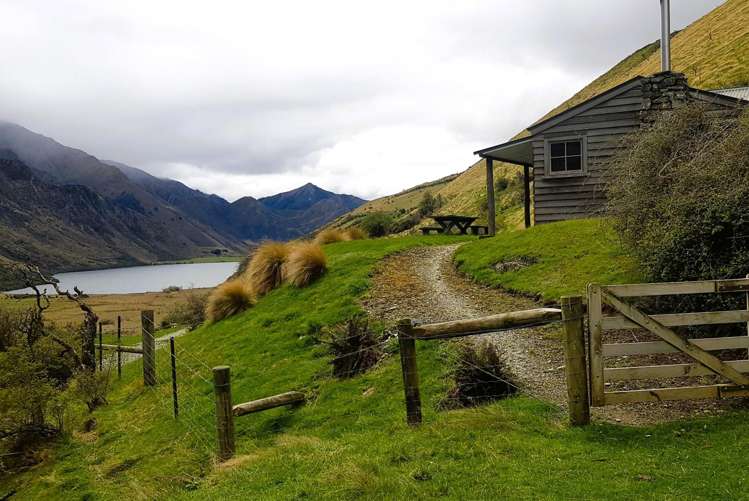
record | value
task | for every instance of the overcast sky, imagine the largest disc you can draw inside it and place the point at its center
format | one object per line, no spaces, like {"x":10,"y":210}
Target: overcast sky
{"x":252,"y":98}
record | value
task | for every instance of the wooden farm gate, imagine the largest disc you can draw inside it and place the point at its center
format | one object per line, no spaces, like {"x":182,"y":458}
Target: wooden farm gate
{"x":620,"y":299}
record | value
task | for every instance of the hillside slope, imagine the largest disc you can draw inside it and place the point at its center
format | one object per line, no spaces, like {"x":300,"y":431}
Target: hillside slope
{"x":350,"y":441}
{"x":713,"y":52}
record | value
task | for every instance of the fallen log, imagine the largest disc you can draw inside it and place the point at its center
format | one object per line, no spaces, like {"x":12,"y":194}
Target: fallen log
{"x":291,"y":397}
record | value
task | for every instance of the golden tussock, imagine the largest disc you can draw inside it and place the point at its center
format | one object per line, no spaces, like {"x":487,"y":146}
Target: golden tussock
{"x":228,"y":299}
{"x":265,"y":271}
{"x":354,"y":233}
{"x":305,"y":264}
{"x":330,"y":236}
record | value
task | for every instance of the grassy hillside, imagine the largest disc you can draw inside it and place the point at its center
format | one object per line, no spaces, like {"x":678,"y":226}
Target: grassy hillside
{"x":350,"y":440}
{"x":713,"y":52}
{"x":549,"y":261}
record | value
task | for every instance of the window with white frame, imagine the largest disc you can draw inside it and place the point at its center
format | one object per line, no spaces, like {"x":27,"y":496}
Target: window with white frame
{"x":565,"y":157}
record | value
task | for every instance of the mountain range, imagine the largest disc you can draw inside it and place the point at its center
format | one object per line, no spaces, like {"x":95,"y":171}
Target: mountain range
{"x":64,"y":209}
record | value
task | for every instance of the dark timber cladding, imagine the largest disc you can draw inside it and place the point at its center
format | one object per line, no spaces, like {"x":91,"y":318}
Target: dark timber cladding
{"x":565,"y":155}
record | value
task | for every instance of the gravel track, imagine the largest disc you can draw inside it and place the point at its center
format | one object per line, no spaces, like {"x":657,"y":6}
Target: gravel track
{"x":422,"y":284}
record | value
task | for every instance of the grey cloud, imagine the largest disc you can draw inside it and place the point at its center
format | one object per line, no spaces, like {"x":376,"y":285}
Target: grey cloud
{"x":261,"y":91}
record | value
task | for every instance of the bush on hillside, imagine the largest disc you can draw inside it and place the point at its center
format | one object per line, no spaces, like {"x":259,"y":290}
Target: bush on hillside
{"x":228,"y":299}
{"x":306,"y":263}
{"x":265,"y":269}
{"x":377,"y":224}
{"x":191,"y":312}
{"x":42,"y":384}
{"x":679,"y":195}
{"x":478,"y":375}
{"x":429,"y":204}
{"x":405,"y":223}
{"x":329,"y":236}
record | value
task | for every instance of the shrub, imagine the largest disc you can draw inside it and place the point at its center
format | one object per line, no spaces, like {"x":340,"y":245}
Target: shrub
{"x":329,"y":236}
{"x":305,"y":264}
{"x":679,"y":195}
{"x":405,"y":223}
{"x":265,"y":270}
{"x":354,"y":233}
{"x":478,"y":375}
{"x":377,"y":224}
{"x":429,"y":204}
{"x":228,"y":299}
{"x":354,"y":346}
{"x":190,"y":313}
{"x":38,"y":369}
{"x":171,"y":288}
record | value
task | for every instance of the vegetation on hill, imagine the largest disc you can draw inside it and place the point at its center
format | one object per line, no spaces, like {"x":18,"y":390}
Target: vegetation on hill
{"x":690,"y":220}
{"x":550,"y":260}
{"x":350,"y":441}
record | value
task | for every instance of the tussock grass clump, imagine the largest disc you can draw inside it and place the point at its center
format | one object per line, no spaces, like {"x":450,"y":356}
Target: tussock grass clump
{"x":354,"y":233}
{"x":329,"y":236}
{"x":478,"y":376}
{"x":265,"y":271}
{"x":354,"y":346}
{"x":305,"y":264}
{"x":228,"y":299}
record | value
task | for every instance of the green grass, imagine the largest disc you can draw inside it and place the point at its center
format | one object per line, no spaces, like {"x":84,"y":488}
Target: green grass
{"x":350,"y":440}
{"x":567,"y":257}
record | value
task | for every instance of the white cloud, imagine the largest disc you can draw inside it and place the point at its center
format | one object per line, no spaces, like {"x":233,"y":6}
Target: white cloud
{"x":246,"y":98}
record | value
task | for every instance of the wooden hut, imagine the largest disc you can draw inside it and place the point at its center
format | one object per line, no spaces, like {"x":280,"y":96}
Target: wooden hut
{"x":563,"y":156}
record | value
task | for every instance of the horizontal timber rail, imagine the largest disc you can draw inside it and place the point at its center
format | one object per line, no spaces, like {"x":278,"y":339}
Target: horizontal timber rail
{"x":571,"y":315}
{"x":123,"y":349}
{"x":226,"y":412}
{"x":482,"y":325}
{"x":288,"y":398}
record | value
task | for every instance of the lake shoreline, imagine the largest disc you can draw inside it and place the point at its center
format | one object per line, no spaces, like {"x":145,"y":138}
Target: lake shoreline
{"x":143,"y":279}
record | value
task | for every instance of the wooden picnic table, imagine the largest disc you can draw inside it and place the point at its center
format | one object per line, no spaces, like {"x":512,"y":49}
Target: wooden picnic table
{"x":447,"y":223}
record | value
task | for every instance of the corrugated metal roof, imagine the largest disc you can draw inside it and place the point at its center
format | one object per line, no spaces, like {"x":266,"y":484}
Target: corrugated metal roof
{"x":737,"y":92}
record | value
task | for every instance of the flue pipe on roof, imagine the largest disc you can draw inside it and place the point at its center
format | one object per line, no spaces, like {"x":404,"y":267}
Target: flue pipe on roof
{"x":665,"y":35}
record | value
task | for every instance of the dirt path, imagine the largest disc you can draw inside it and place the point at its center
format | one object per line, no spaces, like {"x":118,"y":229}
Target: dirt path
{"x":422,"y":284}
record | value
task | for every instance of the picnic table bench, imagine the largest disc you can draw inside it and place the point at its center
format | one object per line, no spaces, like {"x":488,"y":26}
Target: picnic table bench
{"x":447,"y":223}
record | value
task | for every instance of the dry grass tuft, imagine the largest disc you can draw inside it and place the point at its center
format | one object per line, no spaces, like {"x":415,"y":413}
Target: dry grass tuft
{"x":354,"y":233}
{"x":265,"y":271}
{"x":305,"y":264}
{"x":329,"y":236}
{"x":228,"y":299}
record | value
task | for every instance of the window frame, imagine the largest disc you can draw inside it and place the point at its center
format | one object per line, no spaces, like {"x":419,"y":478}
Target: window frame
{"x":583,"y":171}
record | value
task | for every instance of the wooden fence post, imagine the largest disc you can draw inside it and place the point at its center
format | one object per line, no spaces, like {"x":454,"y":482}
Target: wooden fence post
{"x":174,"y":376}
{"x":573,"y":318}
{"x":407,"y":346}
{"x":224,"y":414}
{"x":149,"y":348}
{"x":119,"y":354}
{"x":101,"y":350}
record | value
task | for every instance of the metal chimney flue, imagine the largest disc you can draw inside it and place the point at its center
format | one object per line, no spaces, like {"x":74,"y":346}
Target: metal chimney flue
{"x":665,"y":35}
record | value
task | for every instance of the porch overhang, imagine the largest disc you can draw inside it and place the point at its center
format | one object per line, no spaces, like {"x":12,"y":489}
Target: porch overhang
{"x":518,"y":151}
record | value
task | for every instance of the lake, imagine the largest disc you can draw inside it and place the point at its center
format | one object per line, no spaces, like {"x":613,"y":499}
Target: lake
{"x":144,"y":278}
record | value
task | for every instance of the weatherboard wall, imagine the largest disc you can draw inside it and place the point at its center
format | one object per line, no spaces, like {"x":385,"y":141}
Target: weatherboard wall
{"x":602,"y":128}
